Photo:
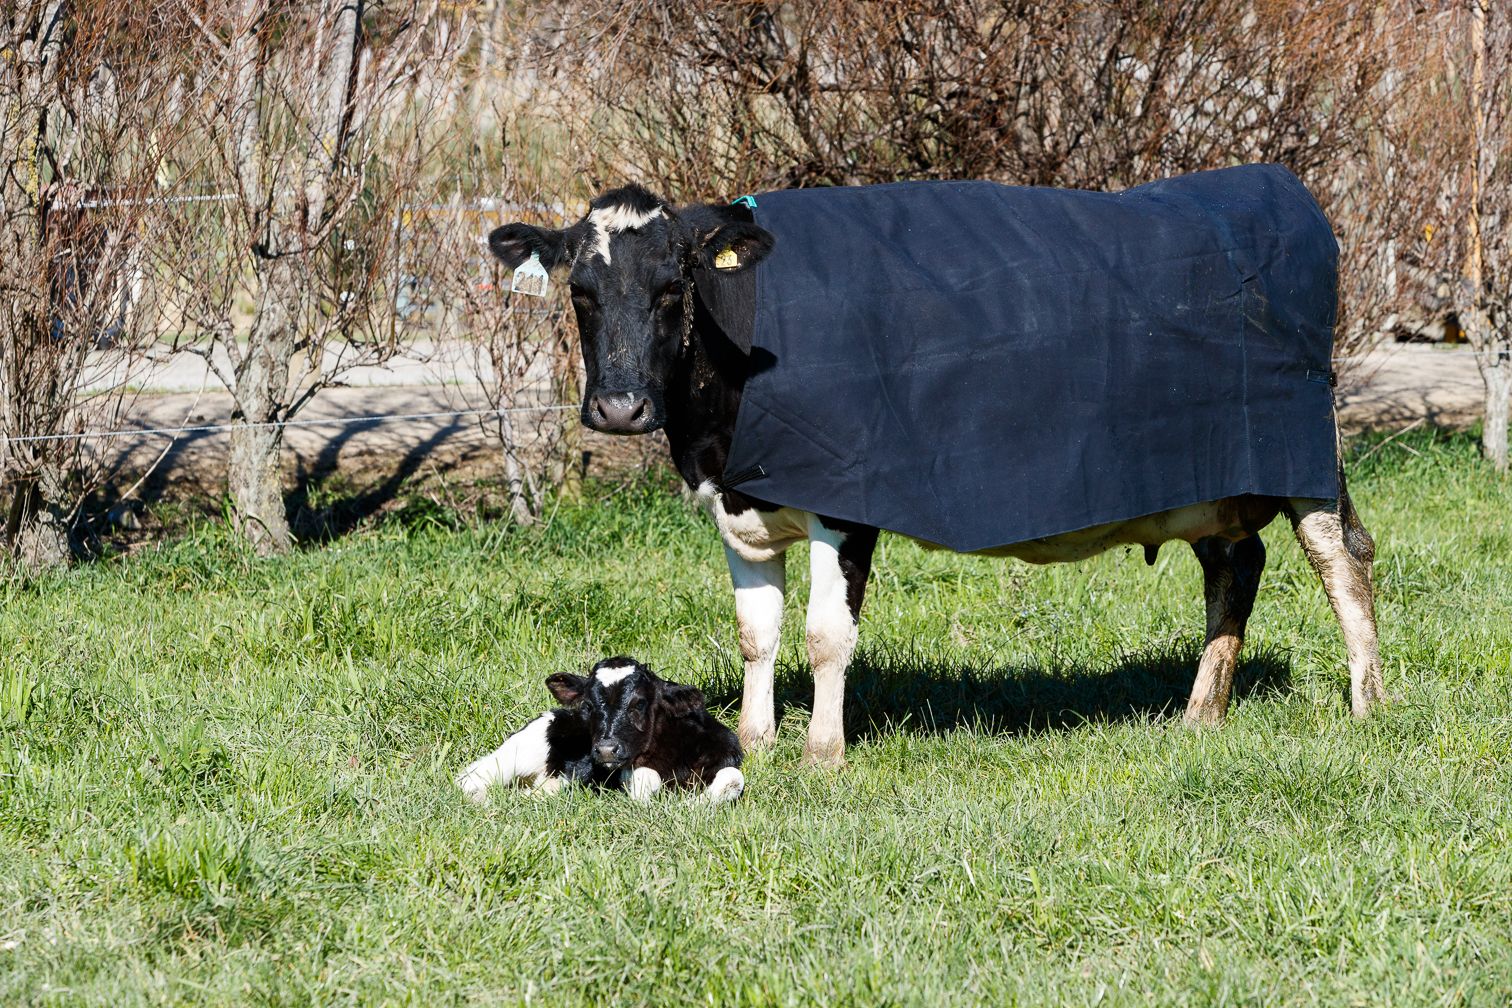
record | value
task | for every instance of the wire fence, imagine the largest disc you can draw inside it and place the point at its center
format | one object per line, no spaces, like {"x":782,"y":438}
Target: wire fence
{"x":317,"y":422}
{"x":376,"y":418}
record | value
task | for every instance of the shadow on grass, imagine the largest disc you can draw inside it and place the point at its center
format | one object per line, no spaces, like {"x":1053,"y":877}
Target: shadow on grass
{"x":322,"y":521}
{"x":888,"y":693}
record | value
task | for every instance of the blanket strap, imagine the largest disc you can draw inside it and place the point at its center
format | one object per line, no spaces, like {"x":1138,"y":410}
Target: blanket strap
{"x":729,"y":481}
{"x":1323,"y":378}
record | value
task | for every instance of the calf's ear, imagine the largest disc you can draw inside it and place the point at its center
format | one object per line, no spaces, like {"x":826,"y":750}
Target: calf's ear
{"x":567,"y":688}
{"x":680,"y":700}
{"x":512,"y":244}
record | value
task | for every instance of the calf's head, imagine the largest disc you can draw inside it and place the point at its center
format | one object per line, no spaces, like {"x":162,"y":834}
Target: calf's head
{"x":630,"y":266}
{"x":626,"y":705}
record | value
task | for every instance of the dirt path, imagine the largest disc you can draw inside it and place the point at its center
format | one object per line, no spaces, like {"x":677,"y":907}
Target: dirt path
{"x":1388,"y":390}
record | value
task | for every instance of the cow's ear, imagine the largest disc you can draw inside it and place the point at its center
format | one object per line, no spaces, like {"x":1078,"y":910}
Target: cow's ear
{"x":512,"y":244}
{"x":567,"y":688}
{"x":681,"y":700}
{"x":733,"y":246}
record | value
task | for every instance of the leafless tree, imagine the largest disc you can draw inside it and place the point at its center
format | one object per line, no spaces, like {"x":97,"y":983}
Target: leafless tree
{"x":318,"y":119}
{"x":1483,"y":290}
{"x":85,"y":120}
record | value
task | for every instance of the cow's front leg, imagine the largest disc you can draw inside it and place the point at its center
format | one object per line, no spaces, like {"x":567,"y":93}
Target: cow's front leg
{"x":641,"y":783}
{"x":1231,"y":576}
{"x":759,"y":588}
{"x":1341,"y":551}
{"x":727,"y":786}
{"x":839,"y":561}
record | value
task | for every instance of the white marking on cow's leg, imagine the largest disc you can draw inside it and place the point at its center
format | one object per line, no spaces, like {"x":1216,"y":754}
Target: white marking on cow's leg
{"x":1231,"y":576}
{"x":759,"y":588}
{"x":641,"y":783}
{"x":521,"y":757}
{"x":1343,"y":563}
{"x":727,"y":785}
{"x":831,"y":641}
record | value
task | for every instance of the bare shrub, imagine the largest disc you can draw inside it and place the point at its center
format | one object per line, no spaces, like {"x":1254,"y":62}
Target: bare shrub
{"x":85,"y":121}
{"x":318,"y":117}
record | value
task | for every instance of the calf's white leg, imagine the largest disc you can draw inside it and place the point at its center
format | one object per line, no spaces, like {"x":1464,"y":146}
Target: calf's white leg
{"x":521,"y":757}
{"x":759,"y":589}
{"x":1341,"y":551}
{"x":642,"y":783}
{"x":831,"y":641}
{"x":726,"y":786}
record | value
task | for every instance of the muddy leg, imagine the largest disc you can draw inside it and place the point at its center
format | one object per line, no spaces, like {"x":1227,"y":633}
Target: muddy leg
{"x":1231,"y":575}
{"x":1341,"y":551}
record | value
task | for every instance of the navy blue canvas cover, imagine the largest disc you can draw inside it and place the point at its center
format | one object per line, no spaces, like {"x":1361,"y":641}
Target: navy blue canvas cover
{"x":975,"y":365}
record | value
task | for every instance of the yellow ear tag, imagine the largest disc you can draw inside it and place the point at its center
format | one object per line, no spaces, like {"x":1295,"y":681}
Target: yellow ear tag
{"x":726,"y":259}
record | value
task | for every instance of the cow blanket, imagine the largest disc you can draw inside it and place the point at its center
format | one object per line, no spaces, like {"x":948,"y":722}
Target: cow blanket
{"x":975,"y":365}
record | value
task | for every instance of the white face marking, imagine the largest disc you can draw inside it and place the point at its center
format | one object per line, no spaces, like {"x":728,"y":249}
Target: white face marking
{"x":610,"y":220}
{"x":522,"y":757}
{"x":611,"y":674}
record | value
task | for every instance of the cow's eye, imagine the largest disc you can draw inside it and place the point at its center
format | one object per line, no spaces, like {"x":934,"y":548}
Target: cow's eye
{"x":671,"y":294}
{"x":582,"y":297}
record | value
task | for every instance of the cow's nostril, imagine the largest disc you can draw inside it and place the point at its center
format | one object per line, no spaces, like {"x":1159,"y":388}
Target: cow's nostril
{"x":621,"y":412}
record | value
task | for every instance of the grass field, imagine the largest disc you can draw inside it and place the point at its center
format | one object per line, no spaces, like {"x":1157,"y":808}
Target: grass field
{"x":229,"y":781}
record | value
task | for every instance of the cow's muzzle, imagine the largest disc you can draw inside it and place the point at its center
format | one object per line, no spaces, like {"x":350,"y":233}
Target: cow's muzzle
{"x":621,"y":412}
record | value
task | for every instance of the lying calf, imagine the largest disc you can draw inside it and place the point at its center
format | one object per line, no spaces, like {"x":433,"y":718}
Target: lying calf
{"x":621,"y":728}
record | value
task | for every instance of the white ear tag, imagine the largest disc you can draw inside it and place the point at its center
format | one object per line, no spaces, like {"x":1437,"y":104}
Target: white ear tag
{"x":530,"y":277}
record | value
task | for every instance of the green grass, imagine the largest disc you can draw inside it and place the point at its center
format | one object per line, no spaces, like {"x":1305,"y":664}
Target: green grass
{"x":228,"y":781}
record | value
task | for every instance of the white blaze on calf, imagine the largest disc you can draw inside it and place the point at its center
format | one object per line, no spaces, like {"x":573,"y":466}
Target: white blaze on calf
{"x":611,"y":674}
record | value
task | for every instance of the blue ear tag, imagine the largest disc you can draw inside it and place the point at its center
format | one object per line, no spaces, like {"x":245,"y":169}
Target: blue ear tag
{"x":530,"y":277}
{"x":749,"y":202}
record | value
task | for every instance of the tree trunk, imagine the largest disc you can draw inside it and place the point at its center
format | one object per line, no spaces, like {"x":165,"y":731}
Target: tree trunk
{"x":1496,"y":374}
{"x":254,"y":473}
{"x":35,"y":529}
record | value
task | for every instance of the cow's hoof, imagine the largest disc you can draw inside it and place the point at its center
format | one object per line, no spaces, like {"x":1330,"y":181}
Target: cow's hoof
{"x":827,"y":757}
{"x":1203,"y":717}
{"x":753,"y":739}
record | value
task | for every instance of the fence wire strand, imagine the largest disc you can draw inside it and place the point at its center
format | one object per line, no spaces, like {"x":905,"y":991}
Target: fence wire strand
{"x":320,"y":422}
{"x":545,"y":408}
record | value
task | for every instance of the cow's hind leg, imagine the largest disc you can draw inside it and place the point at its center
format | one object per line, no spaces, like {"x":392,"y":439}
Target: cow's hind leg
{"x":1231,"y":576}
{"x":1341,"y":551}
{"x":759,"y":589}
{"x":522,"y":757}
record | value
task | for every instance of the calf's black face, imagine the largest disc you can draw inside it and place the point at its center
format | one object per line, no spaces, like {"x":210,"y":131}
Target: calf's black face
{"x":626,"y":705}
{"x":629,"y":266}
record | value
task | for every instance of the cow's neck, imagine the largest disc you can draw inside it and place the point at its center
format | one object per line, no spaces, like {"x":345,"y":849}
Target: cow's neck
{"x":704,"y":394}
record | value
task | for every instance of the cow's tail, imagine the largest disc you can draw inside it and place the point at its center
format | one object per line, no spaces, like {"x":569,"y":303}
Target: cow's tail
{"x":1357,"y":539}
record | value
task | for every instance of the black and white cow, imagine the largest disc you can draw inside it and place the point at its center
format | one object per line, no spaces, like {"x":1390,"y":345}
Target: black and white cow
{"x":642,"y":275}
{"x":622,"y":727}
